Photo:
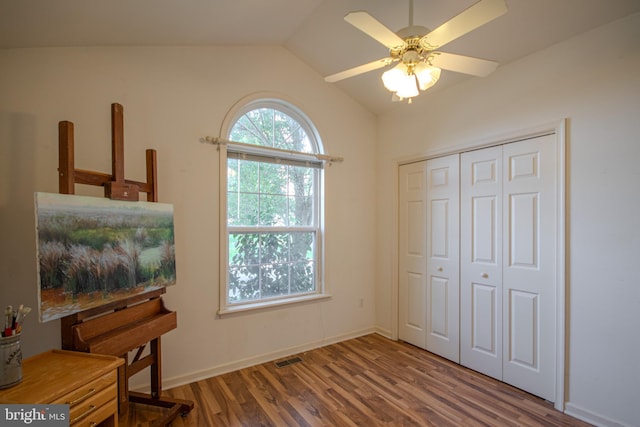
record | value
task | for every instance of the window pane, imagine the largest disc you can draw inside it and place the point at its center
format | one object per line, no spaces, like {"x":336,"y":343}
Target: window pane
{"x":248,"y":173}
{"x":302,"y":277}
{"x":300,"y":181}
{"x":243,"y":284}
{"x":232,"y":175}
{"x":273,"y":179}
{"x":286,"y":130}
{"x":244,"y":249}
{"x":275,"y":280}
{"x":233,"y":212}
{"x":302,"y":246}
{"x":301,"y":211}
{"x":265,"y":265}
{"x":301,"y":189}
{"x":248,"y":129}
{"x":273,"y":210}
{"x":274,"y":248}
{"x":246,"y":212}
{"x":271,"y":128}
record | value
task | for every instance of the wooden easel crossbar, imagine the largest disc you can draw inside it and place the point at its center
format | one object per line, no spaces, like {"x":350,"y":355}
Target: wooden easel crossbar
{"x":130,"y":324}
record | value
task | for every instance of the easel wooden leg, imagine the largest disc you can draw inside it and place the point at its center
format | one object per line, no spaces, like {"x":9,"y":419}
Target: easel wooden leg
{"x":156,"y":369}
{"x":123,"y":386}
{"x":176,"y":406}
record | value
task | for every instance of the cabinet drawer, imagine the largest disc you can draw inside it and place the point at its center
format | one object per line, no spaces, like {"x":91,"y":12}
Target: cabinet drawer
{"x":93,"y":403}
{"x":98,"y":415}
{"x":86,"y":391}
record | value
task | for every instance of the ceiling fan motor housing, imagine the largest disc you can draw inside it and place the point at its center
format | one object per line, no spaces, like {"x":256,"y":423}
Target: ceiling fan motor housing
{"x":412,"y":52}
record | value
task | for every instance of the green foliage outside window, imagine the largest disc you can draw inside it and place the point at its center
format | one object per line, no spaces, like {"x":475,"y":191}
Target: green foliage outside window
{"x":271,"y":214}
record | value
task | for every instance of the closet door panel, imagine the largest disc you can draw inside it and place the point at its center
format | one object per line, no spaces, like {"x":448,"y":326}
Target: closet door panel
{"x":438,"y":307}
{"x":481,"y":261}
{"x":484,"y":234}
{"x":412,"y":279}
{"x":443,"y":293}
{"x":529,"y":239}
{"x":523,"y":321}
{"x":414,"y":302}
{"x":484,"y":339}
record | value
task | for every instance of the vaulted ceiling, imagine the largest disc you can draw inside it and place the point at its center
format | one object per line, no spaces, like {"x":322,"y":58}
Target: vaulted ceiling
{"x":313,"y":30}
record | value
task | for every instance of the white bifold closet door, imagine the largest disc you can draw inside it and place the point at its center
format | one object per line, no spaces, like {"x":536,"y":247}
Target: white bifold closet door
{"x":481,"y":261}
{"x":412,"y":254}
{"x":508,"y":265}
{"x":443,"y":259}
{"x":429,"y":259}
{"x":478,"y":262}
{"x":530,"y":265}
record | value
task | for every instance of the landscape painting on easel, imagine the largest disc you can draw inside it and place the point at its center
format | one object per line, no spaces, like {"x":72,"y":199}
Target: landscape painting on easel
{"x":92,"y":251}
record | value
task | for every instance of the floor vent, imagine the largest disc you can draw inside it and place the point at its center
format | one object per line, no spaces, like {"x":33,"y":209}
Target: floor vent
{"x":283,"y":363}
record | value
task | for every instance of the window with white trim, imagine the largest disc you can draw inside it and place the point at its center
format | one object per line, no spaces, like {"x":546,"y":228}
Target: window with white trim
{"x":274,"y":207}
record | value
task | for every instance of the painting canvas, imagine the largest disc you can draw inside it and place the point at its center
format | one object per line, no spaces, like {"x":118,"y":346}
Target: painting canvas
{"x":92,"y":251}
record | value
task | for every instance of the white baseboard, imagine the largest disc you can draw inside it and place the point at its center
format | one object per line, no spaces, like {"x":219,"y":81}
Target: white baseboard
{"x":179,"y":380}
{"x":591,"y":417}
{"x":384,"y":332}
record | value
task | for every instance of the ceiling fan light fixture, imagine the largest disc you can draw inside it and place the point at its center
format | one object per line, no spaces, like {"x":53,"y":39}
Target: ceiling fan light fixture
{"x":427,"y":75}
{"x":393,"y":78}
{"x":401,"y":80}
{"x":407,"y":80}
{"x":409,"y":87}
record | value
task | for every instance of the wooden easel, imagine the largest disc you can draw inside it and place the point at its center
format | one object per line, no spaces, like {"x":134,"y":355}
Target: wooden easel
{"x":119,"y":327}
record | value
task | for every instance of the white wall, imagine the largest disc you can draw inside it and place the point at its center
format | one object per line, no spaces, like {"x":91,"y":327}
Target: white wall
{"x":594,"y":81}
{"x":172,"y":97}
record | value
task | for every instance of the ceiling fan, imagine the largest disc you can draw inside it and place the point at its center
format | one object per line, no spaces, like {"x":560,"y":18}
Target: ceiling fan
{"x":416,"y":49}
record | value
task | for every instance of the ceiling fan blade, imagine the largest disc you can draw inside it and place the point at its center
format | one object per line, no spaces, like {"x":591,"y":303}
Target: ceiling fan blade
{"x":374,"y":65}
{"x":468,"y":20}
{"x":373,"y":28}
{"x":463,"y":64}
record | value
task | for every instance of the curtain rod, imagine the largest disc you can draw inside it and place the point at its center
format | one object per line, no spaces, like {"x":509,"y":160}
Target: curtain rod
{"x":214,"y":140}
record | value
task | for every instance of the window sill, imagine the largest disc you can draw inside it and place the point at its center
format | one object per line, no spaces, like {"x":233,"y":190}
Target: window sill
{"x":243,"y":308}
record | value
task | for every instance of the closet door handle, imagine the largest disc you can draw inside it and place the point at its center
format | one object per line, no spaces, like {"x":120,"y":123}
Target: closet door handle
{"x":440,"y":269}
{"x":485,"y":275}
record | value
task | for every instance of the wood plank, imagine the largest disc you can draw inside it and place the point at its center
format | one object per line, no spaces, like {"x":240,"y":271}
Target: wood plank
{"x":66,"y":160}
{"x":151,"y":187}
{"x":368,"y":381}
{"x":117,"y":142}
{"x":101,"y":325}
{"x":121,"y":331}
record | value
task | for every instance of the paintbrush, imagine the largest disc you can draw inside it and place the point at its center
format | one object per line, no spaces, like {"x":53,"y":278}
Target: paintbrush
{"x":22,"y":313}
{"x":8,"y":321}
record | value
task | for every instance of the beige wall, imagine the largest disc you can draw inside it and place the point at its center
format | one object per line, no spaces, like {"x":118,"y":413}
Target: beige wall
{"x":172,"y":97}
{"x":593,"y":81}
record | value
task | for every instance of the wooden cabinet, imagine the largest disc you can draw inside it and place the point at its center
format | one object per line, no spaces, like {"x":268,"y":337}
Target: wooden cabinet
{"x":88,"y":383}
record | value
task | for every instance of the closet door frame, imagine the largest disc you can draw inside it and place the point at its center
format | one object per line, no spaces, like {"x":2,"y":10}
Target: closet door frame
{"x":558,"y":129}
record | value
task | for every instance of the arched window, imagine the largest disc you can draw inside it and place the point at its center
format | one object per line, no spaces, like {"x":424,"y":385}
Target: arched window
{"x":274,"y":207}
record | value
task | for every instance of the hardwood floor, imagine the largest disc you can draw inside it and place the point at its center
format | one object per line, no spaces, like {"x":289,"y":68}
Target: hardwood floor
{"x":367,"y":381}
